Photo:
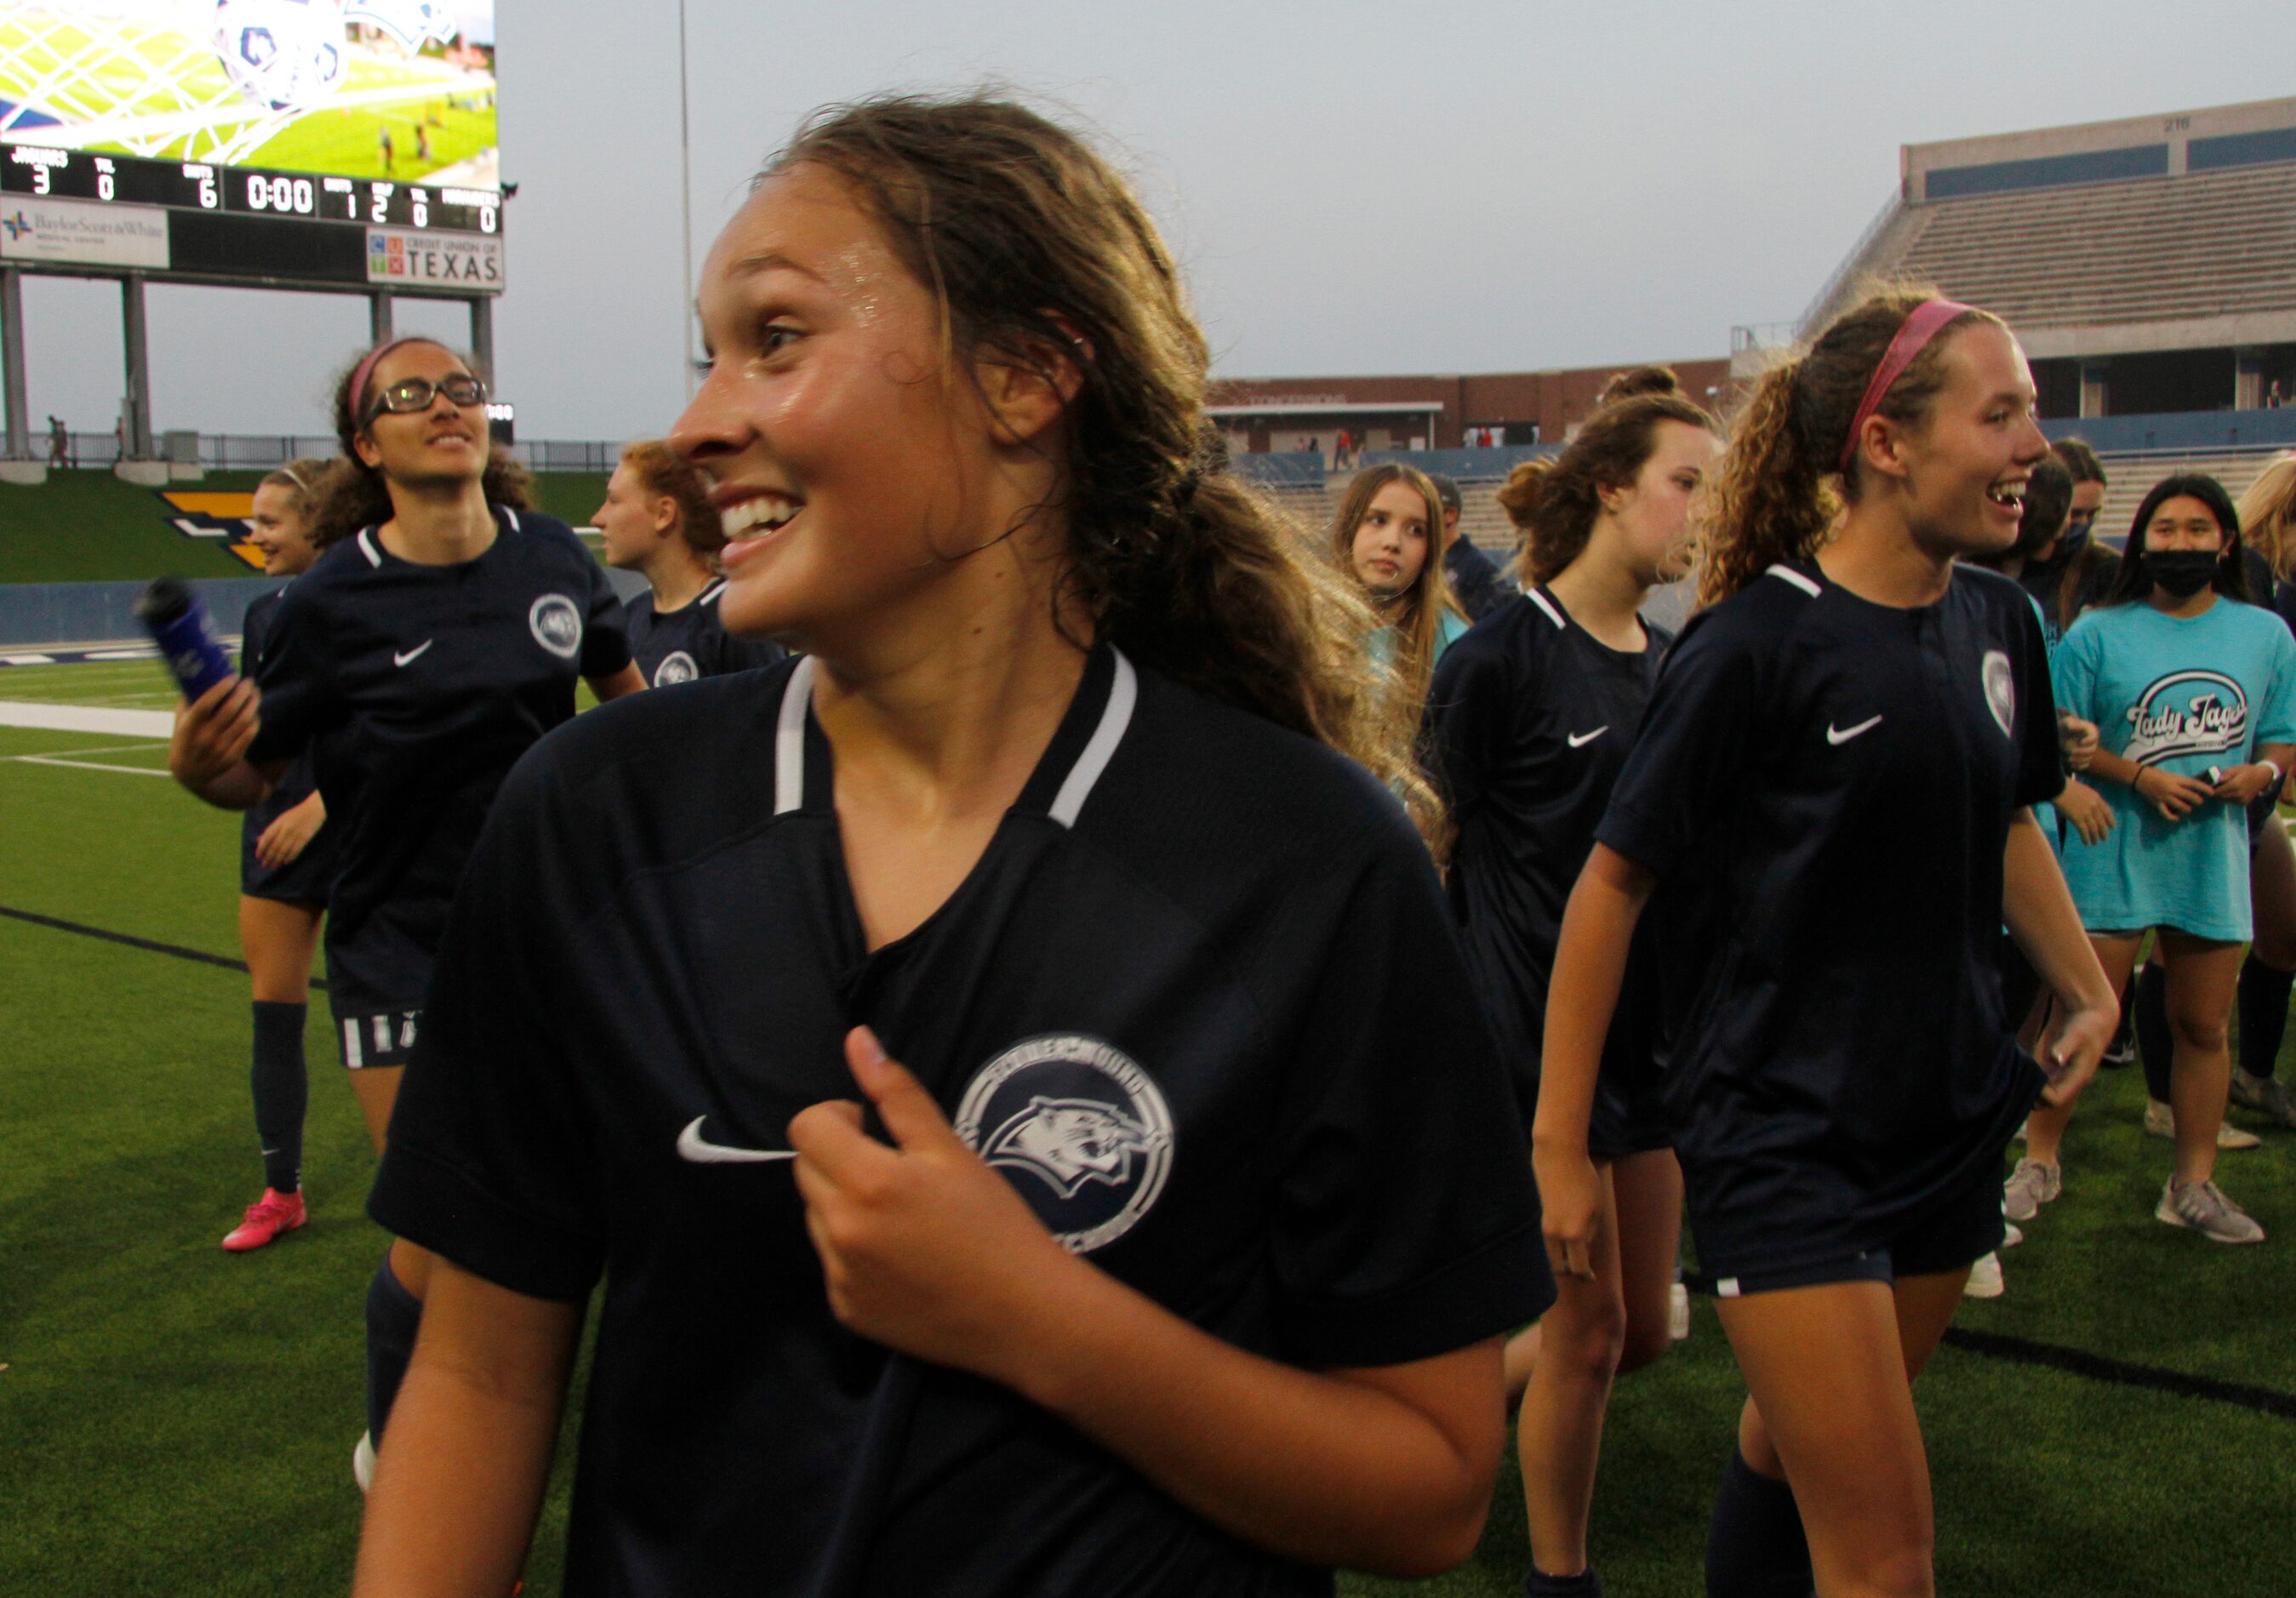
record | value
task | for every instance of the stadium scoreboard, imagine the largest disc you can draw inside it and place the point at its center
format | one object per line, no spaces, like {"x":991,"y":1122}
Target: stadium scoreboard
{"x":208,"y":220}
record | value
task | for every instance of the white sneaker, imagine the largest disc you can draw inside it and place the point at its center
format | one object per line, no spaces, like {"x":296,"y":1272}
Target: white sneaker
{"x":1677,"y":1312}
{"x":2033,"y":1184}
{"x":2011,"y":1234}
{"x":1985,"y":1279}
{"x":2202,"y":1207}
{"x":363,"y":1462}
{"x":2160,"y":1121}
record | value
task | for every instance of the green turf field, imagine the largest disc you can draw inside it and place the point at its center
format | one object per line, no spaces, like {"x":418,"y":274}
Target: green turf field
{"x":87,"y":527}
{"x":175,"y":1420}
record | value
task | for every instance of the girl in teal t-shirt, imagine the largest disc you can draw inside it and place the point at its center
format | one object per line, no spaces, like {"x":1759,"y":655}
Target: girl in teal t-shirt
{"x":2194,"y":696}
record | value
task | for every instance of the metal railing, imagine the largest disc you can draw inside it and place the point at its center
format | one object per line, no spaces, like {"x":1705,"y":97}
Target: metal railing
{"x":267,"y":452}
{"x":1849,"y":263}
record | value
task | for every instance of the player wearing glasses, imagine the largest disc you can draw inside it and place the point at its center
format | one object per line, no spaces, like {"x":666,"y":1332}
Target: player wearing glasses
{"x":437,"y":638}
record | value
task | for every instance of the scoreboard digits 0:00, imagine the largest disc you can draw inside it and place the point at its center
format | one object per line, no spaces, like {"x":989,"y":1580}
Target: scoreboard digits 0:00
{"x":40,"y":169}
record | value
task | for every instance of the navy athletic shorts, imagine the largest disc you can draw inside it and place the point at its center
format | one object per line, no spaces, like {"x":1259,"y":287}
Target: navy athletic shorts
{"x":1962,"y":1228}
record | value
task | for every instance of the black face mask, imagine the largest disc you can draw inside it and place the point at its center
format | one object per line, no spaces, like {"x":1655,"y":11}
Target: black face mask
{"x":2181,"y":572}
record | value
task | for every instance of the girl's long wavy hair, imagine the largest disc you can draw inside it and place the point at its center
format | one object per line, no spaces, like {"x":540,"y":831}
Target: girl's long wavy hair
{"x":1417,"y":617}
{"x":1780,"y":488}
{"x":358,"y":495}
{"x":1036,"y":251}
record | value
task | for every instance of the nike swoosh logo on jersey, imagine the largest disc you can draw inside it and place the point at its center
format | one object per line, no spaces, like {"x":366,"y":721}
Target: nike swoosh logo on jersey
{"x":692,"y":1146}
{"x":411,"y":655}
{"x":1837,"y":735}
{"x":1581,"y":740}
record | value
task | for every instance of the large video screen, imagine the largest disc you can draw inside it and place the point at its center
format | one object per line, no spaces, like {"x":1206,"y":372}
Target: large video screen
{"x":390,"y":90}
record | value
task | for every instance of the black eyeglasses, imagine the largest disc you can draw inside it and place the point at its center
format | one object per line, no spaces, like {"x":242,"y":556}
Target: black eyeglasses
{"x":411,"y":394}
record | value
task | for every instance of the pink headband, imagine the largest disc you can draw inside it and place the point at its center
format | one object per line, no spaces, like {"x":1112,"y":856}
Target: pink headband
{"x":1927,"y":319}
{"x":365,"y":370}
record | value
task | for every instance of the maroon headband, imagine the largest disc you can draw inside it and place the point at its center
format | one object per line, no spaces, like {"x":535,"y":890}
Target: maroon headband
{"x":365,"y":370}
{"x":1914,"y":336}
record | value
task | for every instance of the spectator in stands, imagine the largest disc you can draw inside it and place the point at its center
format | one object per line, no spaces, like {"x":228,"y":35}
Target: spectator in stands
{"x":59,"y":441}
{"x":2272,"y":399}
{"x":658,"y":521}
{"x":1386,"y":536}
{"x":2196,"y":702}
{"x":1531,"y":720}
{"x":287,"y":862}
{"x":1475,"y":576}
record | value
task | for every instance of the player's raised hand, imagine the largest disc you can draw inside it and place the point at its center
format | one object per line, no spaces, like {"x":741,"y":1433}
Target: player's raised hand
{"x":924,"y":1246}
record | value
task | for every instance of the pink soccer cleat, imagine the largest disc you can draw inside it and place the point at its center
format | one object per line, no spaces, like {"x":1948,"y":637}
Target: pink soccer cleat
{"x":269,"y":1216}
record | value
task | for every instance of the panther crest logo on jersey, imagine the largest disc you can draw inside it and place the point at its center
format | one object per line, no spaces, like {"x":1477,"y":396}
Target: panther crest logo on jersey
{"x":678,"y":667}
{"x":557,"y":625}
{"x":2001,"y":691}
{"x":1081,"y":1132}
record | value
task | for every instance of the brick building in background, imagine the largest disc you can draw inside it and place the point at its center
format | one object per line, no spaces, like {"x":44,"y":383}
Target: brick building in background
{"x":1261,"y":415}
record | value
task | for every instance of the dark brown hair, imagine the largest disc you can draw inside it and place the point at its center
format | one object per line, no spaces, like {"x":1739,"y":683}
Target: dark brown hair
{"x":662,"y":473}
{"x":1641,"y":380}
{"x":1036,"y":252}
{"x":357,"y":495}
{"x":1554,"y":502}
{"x":2075,"y":456}
{"x":1780,"y":486}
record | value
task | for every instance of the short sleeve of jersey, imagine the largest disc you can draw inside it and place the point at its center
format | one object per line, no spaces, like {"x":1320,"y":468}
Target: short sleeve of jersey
{"x":1404,"y":1222}
{"x":2073,"y":669}
{"x":488,"y":1163}
{"x":1693,"y":747}
{"x":605,"y":628}
{"x":2277,"y":721}
{"x":2040,"y":757}
{"x":296,"y":676}
{"x":1470,"y":713}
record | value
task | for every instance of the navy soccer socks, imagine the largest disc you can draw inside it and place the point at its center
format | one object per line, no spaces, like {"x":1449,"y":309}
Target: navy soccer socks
{"x":2263,"y":1009}
{"x":393,"y":1316}
{"x":282,"y":1092}
{"x":2156,"y":1040}
{"x":1755,"y":1547}
{"x":1539,"y":1584}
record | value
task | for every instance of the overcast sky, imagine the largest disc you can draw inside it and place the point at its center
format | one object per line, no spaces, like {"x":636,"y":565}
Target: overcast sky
{"x":1353,"y":188}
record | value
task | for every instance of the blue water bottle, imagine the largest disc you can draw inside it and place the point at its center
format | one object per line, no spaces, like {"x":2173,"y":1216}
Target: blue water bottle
{"x":178,"y":624}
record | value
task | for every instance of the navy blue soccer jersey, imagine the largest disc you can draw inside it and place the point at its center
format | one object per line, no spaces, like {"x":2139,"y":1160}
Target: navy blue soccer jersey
{"x":1531,"y":717}
{"x":691,"y":642}
{"x":1198,"y":1000}
{"x":1843,"y":774}
{"x":415,"y":688}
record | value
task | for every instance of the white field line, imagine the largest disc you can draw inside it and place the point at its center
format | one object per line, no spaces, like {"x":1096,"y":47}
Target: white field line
{"x":133,"y":771}
{"x":86,"y":718}
{"x":93,"y":748}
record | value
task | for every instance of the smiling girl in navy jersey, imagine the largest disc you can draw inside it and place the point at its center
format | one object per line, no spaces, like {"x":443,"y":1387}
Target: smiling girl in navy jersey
{"x":441,"y":631}
{"x":287,"y":862}
{"x":1130,"y":1276}
{"x":1844,"y":745}
{"x":1530,"y":718}
{"x":657,"y":522}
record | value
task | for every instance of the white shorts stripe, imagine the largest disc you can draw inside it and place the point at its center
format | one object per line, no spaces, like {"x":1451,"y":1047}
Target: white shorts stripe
{"x":352,"y":1059}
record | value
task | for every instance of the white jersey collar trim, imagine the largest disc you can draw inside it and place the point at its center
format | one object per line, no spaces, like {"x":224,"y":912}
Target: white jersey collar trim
{"x":1796,"y":579}
{"x":789,"y":739}
{"x":1548,"y":605}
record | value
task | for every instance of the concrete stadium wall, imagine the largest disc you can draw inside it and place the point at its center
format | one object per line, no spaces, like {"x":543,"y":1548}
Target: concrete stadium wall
{"x":36,"y":614}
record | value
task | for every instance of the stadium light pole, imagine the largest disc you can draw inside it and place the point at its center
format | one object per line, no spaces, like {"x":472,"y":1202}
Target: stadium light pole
{"x":685,"y":205}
